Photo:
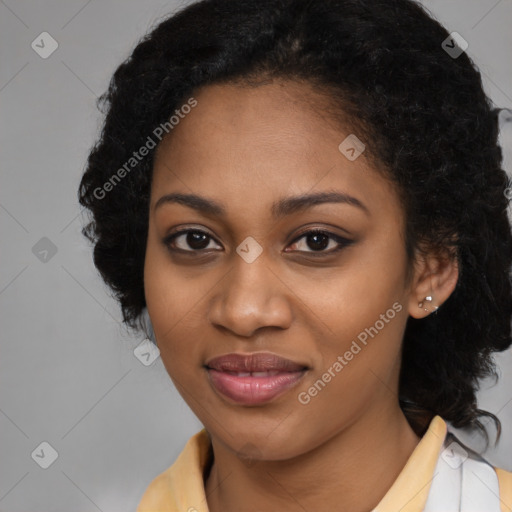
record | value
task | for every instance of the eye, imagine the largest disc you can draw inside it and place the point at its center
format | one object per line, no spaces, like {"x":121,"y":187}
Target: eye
{"x":318,"y":240}
{"x":195,"y":239}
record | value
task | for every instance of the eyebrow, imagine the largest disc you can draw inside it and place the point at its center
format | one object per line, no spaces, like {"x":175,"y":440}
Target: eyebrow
{"x":280,"y":208}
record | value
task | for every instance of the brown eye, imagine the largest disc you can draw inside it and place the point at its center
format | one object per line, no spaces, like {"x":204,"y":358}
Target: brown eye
{"x":188,"y":240}
{"x":318,"y":241}
{"x":315,"y":241}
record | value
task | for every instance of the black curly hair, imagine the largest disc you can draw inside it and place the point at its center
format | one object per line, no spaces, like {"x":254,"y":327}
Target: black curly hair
{"x":427,"y":123}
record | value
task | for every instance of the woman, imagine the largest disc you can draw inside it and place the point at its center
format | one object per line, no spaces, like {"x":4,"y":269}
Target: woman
{"x":305,"y":200}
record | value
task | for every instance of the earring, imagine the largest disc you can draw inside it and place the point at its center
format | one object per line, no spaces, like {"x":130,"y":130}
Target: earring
{"x":428,"y":298}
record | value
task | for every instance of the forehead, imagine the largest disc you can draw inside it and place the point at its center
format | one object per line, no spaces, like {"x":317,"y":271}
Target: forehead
{"x":249,"y":146}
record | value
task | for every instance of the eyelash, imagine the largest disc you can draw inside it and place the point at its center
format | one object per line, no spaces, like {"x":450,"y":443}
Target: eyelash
{"x":342,"y":242}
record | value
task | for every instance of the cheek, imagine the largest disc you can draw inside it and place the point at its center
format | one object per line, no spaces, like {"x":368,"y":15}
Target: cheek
{"x":357,"y":366}
{"x":374,"y":285}
{"x":342,"y":303}
{"x":360,"y":309}
{"x":170,"y":299}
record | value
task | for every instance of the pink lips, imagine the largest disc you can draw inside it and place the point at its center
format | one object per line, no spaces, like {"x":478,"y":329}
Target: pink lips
{"x":253,"y":378}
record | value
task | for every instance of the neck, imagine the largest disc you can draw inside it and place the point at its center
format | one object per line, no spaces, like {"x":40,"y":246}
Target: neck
{"x":352,"y":470}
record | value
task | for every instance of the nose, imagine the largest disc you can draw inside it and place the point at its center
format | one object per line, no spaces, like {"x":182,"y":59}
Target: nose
{"x":251,"y":296}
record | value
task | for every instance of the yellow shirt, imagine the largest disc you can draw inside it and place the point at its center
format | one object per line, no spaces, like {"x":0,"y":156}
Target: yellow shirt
{"x":180,"y":488}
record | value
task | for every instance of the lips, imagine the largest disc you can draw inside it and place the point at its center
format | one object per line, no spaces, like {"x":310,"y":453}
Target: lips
{"x":256,"y":362}
{"x":251,"y":379}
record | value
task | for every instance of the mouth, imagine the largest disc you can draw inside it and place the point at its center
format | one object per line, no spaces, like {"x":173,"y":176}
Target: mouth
{"x":253,"y":379}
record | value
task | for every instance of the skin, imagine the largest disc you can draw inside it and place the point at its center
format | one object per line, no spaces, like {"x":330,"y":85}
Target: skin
{"x":247,"y":148}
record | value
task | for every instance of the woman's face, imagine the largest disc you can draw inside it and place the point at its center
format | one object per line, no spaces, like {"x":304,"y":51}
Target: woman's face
{"x":248,"y":278}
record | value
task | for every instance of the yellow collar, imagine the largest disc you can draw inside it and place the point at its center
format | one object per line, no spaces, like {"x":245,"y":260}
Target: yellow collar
{"x":181,"y":486}
{"x":410,"y":490}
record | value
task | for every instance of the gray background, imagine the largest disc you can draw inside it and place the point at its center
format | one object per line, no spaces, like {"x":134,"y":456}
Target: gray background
{"x":67,"y":368}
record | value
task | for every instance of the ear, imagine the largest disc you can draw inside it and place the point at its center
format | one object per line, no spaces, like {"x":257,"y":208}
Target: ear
{"x":435,"y":276}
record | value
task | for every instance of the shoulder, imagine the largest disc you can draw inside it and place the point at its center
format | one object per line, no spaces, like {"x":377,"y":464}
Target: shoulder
{"x":505,"y":485}
{"x":159,"y":492}
{"x":480,"y":477}
{"x":182,"y":483}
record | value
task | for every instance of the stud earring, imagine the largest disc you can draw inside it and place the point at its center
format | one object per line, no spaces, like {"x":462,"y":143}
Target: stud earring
{"x":428,"y":298}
